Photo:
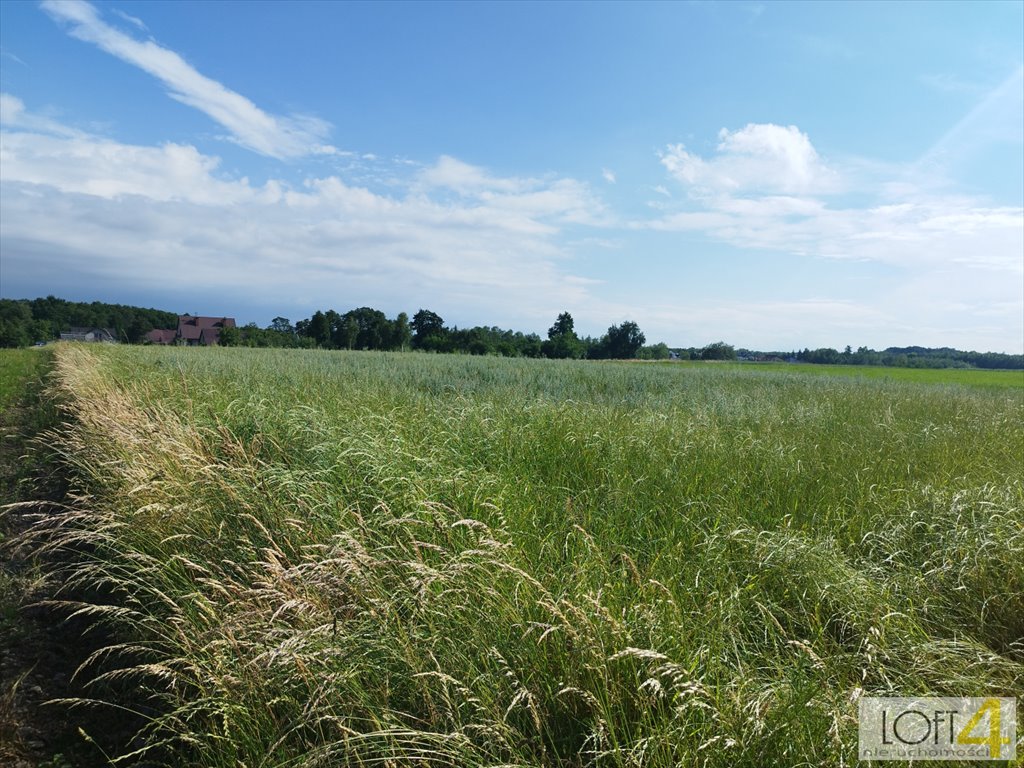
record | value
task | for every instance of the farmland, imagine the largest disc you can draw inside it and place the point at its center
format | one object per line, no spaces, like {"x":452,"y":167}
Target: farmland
{"x":326,"y":558}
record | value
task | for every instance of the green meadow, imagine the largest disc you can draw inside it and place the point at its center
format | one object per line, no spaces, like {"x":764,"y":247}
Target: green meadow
{"x":310,"y":558}
{"x":16,"y":367}
{"x":968,"y":377}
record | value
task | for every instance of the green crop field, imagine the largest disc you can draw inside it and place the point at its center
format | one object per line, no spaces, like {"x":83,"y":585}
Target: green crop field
{"x":363,"y":559}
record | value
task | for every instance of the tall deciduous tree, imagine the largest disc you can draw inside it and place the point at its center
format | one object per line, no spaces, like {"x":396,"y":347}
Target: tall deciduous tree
{"x":319,"y":329}
{"x":428,"y":328}
{"x":622,"y":342}
{"x":563,"y":326}
{"x":281,"y":325}
{"x":718,"y":351}
{"x":562,"y":340}
{"x":374,"y":329}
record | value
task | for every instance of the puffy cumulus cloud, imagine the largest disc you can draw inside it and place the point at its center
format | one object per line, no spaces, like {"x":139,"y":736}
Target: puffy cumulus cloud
{"x":954,"y":264}
{"x":762,"y":191}
{"x":166,"y":216}
{"x":276,"y":136}
{"x":764,"y":158}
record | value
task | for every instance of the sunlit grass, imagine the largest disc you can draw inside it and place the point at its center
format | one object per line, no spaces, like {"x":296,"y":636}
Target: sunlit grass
{"x":384,"y":559}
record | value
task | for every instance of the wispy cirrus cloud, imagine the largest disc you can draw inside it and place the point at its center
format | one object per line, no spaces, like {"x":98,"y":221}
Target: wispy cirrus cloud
{"x":997,"y":117}
{"x":13,"y":57}
{"x":277,"y":136}
{"x":14,"y":115}
{"x":134,"y":20}
{"x":531,"y":200}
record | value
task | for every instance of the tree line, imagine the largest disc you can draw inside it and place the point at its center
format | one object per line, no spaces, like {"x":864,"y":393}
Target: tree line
{"x":24,"y":322}
{"x":370,"y":329}
{"x":911,"y":357}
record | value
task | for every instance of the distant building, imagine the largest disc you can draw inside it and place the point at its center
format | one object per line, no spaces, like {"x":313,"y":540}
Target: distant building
{"x":202,"y":331}
{"x":192,"y":331}
{"x":90,"y":334}
{"x":161,"y":336}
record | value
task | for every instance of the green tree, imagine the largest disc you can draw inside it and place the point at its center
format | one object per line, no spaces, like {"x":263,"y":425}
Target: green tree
{"x":15,"y":320}
{"x":562,"y":327}
{"x":401,"y":332}
{"x":229,"y":337}
{"x":137,"y":329}
{"x":374,"y":329}
{"x":562,"y":340}
{"x":346,"y":333}
{"x":718,"y":351}
{"x":319,"y":329}
{"x":428,"y":330}
{"x":622,"y":342}
{"x":281,"y":325}
{"x":659,"y":351}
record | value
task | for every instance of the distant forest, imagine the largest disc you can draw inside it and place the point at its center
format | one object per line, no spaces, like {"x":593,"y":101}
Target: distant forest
{"x":24,"y":322}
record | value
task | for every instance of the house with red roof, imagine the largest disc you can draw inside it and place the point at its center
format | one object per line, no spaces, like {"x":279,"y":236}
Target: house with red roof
{"x":192,"y":331}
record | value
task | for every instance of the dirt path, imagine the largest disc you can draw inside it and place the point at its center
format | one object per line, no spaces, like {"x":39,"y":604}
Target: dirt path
{"x":39,"y":650}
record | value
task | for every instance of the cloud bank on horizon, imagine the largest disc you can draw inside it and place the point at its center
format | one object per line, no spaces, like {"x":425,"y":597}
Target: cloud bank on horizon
{"x":755,"y":236}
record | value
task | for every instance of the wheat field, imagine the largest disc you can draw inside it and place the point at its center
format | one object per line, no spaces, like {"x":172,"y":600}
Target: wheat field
{"x":361,"y":559}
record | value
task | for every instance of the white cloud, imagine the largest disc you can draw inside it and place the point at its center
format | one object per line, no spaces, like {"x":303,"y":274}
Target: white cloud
{"x":527,"y":200}
{"x":166,"y":216}
{"x":997,"y":118}
{"x":733,"y":198}
{"x":130,"y":19}
{"x":14,"y":115}
{"x":763,"y":158}
{"x":608,"y":176}
{"x":463,"y":178}
{"x":272,"y":135}
{"x":764,"y":191}
{"x":11,"y":109}
{"x":110,"y":170}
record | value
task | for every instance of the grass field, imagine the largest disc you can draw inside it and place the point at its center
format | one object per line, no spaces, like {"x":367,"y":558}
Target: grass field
{"x":970,"y":377}
{"x":317,"y":558}
{"x":16,"y":367}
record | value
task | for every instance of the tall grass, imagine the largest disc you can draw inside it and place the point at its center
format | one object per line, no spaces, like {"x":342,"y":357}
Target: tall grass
{"x":317,"y":558}
{"x":17,"y":366}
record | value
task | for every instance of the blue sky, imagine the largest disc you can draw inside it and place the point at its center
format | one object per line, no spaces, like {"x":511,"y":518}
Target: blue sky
{"x":775,"y":175}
